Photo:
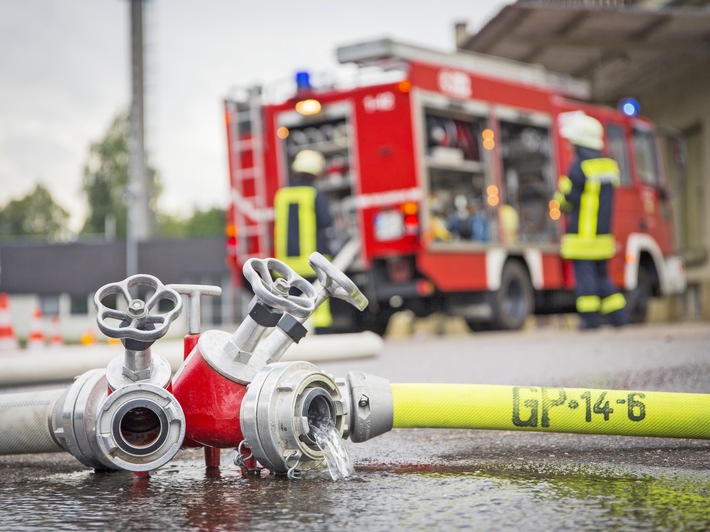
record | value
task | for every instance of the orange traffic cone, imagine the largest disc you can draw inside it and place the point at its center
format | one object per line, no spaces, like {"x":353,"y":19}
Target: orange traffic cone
{"x":56,"y":339}
{"x":87,"y":338}
{"x":7,"y":332}
{"x":36,"y":338}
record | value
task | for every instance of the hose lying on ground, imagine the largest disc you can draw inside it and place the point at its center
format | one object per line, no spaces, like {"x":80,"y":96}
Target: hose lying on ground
{"x":26,"y":422}
{"x":534,"y":408}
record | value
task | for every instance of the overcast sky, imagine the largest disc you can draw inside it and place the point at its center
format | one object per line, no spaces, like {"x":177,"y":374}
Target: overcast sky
{"x":64,"y":75}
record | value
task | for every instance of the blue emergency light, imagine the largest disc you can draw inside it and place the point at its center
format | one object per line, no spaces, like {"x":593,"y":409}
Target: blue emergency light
{"x":303,"y":81}
{"x":629,"y":106}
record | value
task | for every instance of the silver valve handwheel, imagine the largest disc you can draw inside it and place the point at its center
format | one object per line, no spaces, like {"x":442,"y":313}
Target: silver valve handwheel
{"x":142,"y":321}
{"x":275,"y":292}
{"x":336,"y":282}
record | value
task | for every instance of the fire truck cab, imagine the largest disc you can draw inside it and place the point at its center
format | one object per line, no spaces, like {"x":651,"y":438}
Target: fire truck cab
{"x":441,"y":169}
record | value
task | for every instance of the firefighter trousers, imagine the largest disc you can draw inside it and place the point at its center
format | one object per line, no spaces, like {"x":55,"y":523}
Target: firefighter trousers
{"x":598,"y":300}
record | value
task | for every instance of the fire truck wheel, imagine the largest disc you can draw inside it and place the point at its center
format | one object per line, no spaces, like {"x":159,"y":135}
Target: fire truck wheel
{"x":638,"y":299}
{"x":377,"y":322}
{"x":513,"y":301}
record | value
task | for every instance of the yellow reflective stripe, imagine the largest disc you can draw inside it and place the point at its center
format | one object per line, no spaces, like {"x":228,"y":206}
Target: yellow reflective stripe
{"x":562,"y":200}
{"x":589,"y":209}
{"x":304,"y":198}
{"x":588,"y":304}
{"x":565,"y":184}
{"x":613,"y":303}
{"x":573,"y":246}
{"x":321,"y":316}
{"x":603,"y":170}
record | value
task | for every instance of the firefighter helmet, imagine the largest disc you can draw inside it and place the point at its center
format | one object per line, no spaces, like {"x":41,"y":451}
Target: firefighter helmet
{"x":582,"y":130}
{"x":308,"y":162}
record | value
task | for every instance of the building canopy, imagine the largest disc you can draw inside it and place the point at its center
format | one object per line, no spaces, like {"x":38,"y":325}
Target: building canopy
{"x":620,"y":51}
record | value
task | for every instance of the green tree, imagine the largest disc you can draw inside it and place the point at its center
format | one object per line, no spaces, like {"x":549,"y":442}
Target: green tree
{"x":209,"y":222}
{"x":35,"y":215}
{"x":106,"y":180}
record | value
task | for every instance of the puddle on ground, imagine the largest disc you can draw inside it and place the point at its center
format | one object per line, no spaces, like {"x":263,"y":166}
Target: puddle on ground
{"x":380,"y":497}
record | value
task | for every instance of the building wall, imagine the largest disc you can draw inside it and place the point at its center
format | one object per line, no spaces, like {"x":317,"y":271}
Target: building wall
{"x":50,"y":276}
{"x":681,"y":101}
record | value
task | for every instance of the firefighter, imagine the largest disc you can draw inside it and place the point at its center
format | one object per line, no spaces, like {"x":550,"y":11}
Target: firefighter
{"x":586,"y":194}
{"x":303,"y":224}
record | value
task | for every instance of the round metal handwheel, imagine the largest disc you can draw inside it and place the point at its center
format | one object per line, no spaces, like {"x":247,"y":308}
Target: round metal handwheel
{"x":336,"y":282}
{"x":275,"y":292}
{"x":141,"y":320}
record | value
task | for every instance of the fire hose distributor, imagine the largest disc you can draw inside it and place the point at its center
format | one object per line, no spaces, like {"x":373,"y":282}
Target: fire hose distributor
{"x":140,"y":425}
{"x":212,"y":382}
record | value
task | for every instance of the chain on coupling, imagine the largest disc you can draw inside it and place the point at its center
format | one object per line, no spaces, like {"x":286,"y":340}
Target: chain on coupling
{"x":240,"y":460}
{"x":292,"y":472}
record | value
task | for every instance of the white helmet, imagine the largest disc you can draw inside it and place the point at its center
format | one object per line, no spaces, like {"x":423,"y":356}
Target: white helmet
{"x":582,"y":130}
{"x":308,"y":162}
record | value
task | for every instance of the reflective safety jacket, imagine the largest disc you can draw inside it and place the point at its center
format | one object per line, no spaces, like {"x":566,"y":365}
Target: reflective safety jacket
{"x":587,"y":195}
{"x":301,"y":221}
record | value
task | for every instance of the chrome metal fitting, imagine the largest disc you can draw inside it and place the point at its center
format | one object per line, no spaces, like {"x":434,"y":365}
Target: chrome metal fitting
{"x":193,"y":293}
{"x":369,"y":404}
{"x":140,"y":427}
{"x":141,"y":324}
{"x":138,"y":366}
{"x":282,"y":404}
{"x":75,"y":425}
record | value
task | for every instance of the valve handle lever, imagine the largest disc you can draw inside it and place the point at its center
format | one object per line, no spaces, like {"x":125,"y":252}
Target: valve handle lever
{"x":141,"y":321}
{"x":274,"y":292}
{"x":335,"y":282}
{"x":193,"y":293}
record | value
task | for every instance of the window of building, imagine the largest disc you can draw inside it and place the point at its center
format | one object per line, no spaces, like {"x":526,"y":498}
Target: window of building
{"x":79,"y":305}
{"x":49,"y":305}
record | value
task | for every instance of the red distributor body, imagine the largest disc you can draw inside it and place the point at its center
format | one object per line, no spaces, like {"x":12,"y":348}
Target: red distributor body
{"x":211,"y":403}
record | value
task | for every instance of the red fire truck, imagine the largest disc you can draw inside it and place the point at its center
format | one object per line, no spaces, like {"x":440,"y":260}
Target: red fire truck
{"x":441,"y":167}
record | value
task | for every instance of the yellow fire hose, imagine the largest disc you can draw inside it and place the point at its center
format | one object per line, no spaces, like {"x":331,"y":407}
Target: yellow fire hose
{"x":535,"y":408}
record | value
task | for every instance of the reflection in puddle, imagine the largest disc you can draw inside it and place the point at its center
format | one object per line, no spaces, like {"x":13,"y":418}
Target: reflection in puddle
{"x":483,"y":495}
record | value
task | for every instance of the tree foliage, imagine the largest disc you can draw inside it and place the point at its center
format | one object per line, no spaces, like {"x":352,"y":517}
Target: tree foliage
{"x":106,"y":180}
{"x":106,"y":184}
{"x":34,"y":215}
{"x":208,"y":222}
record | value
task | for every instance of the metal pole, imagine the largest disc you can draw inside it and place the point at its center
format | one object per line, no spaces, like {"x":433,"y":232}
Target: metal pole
{"x":138,"y":211}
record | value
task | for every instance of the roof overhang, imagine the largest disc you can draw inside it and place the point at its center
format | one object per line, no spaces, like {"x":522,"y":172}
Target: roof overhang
{"x":619,"y":51}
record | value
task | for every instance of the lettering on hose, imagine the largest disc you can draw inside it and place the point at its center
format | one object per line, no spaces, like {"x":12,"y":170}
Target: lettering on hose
{"x":529,"y":403}
{"x":532,"y":406}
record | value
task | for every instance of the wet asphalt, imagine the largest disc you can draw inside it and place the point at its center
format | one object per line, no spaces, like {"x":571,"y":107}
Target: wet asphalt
{"x":429,"y":478}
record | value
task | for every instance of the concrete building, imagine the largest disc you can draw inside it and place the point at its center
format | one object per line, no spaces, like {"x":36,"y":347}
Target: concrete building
{"x":61,"y":280}
{"x":655,"y":51}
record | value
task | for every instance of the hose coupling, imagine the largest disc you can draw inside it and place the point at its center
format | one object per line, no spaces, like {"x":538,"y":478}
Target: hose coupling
{"x":75,"y":422}
{"x":282,"y":405}
{"x":369,"y":404}
{"x":138,"y":427}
